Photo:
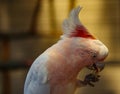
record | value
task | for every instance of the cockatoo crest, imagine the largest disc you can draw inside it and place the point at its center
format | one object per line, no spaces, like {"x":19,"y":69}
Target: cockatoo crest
{"x":72,"y":26}
{"x":57,"y":69}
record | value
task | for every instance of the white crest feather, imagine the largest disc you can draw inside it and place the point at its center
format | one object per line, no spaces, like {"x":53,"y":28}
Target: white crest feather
{"x":73,"y":20}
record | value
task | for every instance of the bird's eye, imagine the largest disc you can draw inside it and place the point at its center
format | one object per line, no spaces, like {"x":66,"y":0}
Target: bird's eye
{"x":94,"y":55}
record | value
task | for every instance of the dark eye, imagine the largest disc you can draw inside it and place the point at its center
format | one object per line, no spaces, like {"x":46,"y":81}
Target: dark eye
{"x":94,"y":56}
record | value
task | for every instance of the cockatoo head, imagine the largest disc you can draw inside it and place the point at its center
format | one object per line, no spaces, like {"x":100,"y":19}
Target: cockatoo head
{"x":89,"y":48}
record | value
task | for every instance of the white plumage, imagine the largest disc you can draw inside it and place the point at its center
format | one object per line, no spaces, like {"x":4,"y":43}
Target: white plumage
{"x":36,"y":80}
{"x":55,"y":71}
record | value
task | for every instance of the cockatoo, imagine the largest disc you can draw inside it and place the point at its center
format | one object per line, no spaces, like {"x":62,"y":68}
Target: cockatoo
{"x":55,"y":71}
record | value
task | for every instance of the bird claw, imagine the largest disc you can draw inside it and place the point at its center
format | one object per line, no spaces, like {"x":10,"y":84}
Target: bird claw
{"x":94,"y":77}
{"x":91,"y":78}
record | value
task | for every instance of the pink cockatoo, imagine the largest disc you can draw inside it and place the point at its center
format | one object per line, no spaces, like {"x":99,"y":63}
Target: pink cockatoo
{"x":55,"y":71}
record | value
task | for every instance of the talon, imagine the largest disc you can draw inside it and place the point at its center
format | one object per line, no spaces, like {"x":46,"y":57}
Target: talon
{"x":98,"y":76}
{"x":95,"y":67}
{"x":91,"y":78}
{"x":91,"y":84}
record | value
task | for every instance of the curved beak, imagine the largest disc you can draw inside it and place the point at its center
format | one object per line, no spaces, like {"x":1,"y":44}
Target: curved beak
{"x":97,"y":67}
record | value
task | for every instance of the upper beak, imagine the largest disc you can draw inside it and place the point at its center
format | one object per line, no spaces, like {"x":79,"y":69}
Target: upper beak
{"x":97,"y":67}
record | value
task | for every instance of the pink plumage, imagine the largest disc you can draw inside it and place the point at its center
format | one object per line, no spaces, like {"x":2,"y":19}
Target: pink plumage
{"x":55,"y":71}
{"x":81,"y":31}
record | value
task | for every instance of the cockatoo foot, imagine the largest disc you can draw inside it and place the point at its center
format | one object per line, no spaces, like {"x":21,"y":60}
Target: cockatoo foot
{"x":89,"y":80}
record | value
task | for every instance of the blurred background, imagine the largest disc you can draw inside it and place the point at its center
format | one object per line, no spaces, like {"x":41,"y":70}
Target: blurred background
{"x":28,"y":27}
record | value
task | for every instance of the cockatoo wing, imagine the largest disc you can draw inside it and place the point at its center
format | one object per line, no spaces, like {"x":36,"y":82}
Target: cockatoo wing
{"x":36,"y":81}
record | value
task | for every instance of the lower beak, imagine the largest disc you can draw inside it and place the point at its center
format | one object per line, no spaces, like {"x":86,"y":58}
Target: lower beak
{"x":97,"y":67}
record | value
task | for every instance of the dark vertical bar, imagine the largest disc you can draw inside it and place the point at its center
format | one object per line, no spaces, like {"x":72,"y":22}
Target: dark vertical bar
{"x":6,"y":76}
{"x":52,"y":16}
{"x":34,"y":20}
{"x":71,"y":4}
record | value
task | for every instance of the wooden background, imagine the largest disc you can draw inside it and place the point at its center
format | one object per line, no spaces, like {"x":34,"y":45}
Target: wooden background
{"x":28,"y":27}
